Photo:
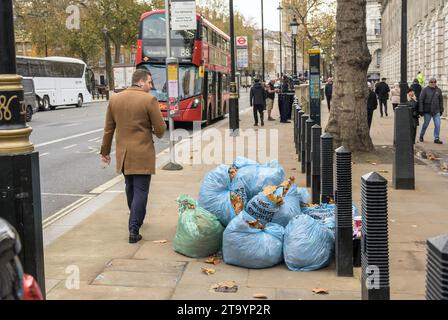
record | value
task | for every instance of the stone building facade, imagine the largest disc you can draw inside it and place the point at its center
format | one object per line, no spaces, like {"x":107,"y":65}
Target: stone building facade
{"x":373,"y":23}
{"x":427,"y":40}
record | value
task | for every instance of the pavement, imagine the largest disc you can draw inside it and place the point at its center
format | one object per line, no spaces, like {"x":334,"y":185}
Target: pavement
{"x":91,"y":243}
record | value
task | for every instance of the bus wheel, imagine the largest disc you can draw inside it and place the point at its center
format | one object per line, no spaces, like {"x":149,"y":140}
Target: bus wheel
{"x":46,"y":103}
{"x":29,"y":113}
{"x":80,"y":101}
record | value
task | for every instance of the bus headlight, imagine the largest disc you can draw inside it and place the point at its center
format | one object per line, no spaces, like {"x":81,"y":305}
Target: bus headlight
{"x":196,"y":103}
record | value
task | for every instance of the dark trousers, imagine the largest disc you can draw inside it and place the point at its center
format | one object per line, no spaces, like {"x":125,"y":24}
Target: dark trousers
{"x":258,"y":109}
{"x":290,"y":100}
{"x":369,"y":117}
{"x":137,"y":189}
{"x":383,"y":102}
{"x":328,"y":102}
{"x":283,"y":108}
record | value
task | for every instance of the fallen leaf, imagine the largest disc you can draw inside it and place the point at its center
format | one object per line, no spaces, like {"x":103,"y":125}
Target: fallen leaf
{"x":225,"y":286}
{"x":320,"y":291}
{"x":255,"y":224}
{"x":431,"y":157}
{"x":373,"y":163}
{"x":383,"y":171}
{"x":160,"y":241}
{"x":213,"y":260}
{"x":353,"y":162}
{"x":208,"y":271}
{"x":260,"y":296}
{"x":294,"y":169}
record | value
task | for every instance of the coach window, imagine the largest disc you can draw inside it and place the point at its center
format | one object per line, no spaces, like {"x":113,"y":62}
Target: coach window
{"x":205,"y":33}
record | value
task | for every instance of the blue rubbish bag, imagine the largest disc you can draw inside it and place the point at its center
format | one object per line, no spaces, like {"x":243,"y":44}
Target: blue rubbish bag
{"x":255,"y":177}
{"x":290,"y":207}
{"x":308,"y":245}
{"x":250,"y":247}
{"x":262,"y":208}
{"x":214,"y":195}
{"x":324,"y":213}
{"x":243,"y":162}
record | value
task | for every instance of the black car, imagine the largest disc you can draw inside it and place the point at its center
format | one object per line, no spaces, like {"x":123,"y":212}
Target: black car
{"x":30,"y":99}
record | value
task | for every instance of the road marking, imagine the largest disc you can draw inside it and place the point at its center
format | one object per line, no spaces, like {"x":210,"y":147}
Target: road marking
{"x":69,"y":125}
{"x":66,"y":194}
{"x":107,"y":185}
{"x":69,"y":147}
{"x":94,"y":139}
{"x":44,"y":154}
{"x":65,"y":211}
{"x":67,"y":138}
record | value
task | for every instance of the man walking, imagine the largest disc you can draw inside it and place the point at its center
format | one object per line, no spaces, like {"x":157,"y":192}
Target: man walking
{"x":283,"y":102}
{"x":382,"y":91}
{"x":431,"y":106}
{"x":417,"y":88}
{"x":258,"y":101}
{"x":372,"y":104}
{"x":135,"y":116}
{"x":329,"y":92}
{"x":270,"y":99}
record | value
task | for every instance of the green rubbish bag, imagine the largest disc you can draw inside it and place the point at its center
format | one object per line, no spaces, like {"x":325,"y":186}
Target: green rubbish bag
{"x":198,"y":233}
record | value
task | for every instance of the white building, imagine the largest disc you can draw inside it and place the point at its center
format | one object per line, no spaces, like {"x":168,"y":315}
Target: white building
{"x":373,"y":23}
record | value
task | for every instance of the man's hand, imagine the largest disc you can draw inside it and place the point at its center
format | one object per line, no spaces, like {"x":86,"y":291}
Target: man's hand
{"x":105,"y":159}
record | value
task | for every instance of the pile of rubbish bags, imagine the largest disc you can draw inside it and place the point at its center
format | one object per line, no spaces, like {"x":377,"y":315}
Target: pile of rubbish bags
{"x":257,"y":218}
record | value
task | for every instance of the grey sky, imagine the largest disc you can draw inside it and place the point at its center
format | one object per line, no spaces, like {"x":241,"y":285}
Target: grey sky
{"x":252,"y":9}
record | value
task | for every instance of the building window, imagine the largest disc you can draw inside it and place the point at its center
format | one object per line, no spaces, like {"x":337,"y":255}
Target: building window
{"x":378,"y":58}
{"x":378,"y":27}
{"x":132,"y":58}
{"x":122,"y":58}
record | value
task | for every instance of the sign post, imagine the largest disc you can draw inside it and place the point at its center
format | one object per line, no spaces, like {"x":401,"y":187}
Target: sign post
{"x":315,"y":98}
{"x":183,"y":15}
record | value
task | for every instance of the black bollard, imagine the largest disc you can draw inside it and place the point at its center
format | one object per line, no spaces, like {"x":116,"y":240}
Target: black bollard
{"x":403,"y":166}
{"x":295,"y":110}
{"x":326,"y":168}
{"x":303,"y":121}
{"x":316,"y":132}
{"x":299,"y":135}
{"x":437,"y":268}
{"x":375,"y":238}
{"x":309,"y":125}
{"x":344,"y":215}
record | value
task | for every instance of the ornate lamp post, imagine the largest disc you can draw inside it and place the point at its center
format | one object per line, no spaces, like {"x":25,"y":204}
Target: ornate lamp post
{"x":294,"y":28}
{"x":280,"y":8}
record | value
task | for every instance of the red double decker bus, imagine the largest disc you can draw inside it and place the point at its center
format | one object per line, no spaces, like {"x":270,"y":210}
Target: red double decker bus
{"x":204,"y":66}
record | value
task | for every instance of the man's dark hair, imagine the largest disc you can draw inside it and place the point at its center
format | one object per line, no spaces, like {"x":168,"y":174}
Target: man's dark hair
{"x":415,"y":81}
{"x":139,"y":75}
{"x":384,"y":79}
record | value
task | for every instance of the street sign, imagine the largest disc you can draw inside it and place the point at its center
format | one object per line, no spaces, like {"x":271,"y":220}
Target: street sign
{"x":173,"y":87}
{"x":242,"y":58}
{"x":183,"y":15}
{"x":241,"y":42}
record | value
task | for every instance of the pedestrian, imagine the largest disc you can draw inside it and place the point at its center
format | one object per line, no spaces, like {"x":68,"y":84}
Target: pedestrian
{"x":417,"y":88}
{"x":395,"y":96}
{"x":258,"y":101}
{"x":283,"y":101}
{"x":329,"y":92}
{"x":372,"y":104}
{"x":270,"y":88}
{"x":413,"y":104}
{"x":430,"y":106}
{"x":134,"y":115}
{"x":421,"y":78}
{"x":290,"y":98}
{"x":382,"y":91}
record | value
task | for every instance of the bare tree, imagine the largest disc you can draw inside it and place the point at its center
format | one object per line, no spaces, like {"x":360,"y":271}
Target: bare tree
{"x":348,"y":117}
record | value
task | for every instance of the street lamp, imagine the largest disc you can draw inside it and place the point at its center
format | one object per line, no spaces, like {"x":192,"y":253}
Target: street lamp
{"x":280,"y":8}
{"x":294,"y":28}
{"x":20,"y":197}
{"x":262,"y":41}
{"x":233,"y":99}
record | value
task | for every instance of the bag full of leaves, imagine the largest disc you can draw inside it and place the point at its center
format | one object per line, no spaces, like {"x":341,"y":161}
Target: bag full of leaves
{"x":198,"y":232}
{"x":222,"y":194}
{"x":265,"y":205}
{"x":291,"y":203}
{"x":308,"y":245}
{"x":250,"y":244}
{"x":255,"y":177}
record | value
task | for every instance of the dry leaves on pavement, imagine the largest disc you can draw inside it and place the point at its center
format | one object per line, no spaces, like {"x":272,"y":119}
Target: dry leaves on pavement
{"x":320,"y":291}
{"x":208,"y":271}
{"x":160,"y":241}
{"x":260,"y":296}
{"x":213,"y":260}
{"x":225,"y":286}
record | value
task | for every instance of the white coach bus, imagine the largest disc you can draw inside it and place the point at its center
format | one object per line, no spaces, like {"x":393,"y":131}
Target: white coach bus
{"x":58,"y":81}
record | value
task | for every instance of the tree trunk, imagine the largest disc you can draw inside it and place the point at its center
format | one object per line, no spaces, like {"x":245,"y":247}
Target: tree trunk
{"x":348,"y":117}
{"x":117,"y":53}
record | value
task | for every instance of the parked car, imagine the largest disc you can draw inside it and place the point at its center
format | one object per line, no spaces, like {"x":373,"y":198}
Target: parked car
{"x":14,"y":284}
{"x":29,"y":94}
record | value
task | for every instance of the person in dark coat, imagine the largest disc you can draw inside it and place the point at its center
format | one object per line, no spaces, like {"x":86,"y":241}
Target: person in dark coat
{"x":258,"y":101}
{"x":416,"y":88}
{"x":329,"y":92}
{"x":430,"y":106}
{"x":382,"y":91}
{"x":413,"y":104}
{"x":372,"y":104}
{"x":283,"y":101}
